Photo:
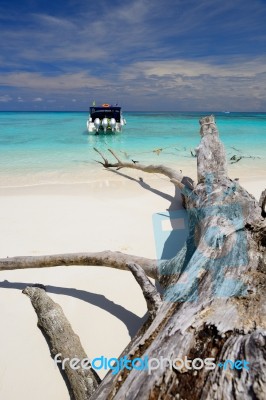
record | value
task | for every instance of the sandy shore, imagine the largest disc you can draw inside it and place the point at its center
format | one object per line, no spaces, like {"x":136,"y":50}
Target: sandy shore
{"x":104,"y":306}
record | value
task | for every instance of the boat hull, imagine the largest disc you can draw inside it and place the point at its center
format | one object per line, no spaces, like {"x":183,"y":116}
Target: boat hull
{"x":105,"y":119}
{"x":96,"y":130}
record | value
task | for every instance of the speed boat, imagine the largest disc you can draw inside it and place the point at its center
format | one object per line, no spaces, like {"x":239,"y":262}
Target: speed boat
{"x":106,"y":119}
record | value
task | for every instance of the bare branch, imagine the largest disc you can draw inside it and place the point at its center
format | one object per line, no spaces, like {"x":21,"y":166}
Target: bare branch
{"x":63,"y":343}
{"x":262,"y":203}
{"x":115,"y":156}
{"x":98,"y":151}
{"x":154,"y":169}
{"x":192,"y":153}
{"x":177,"y":183}
{"x":234,"y":159}
{"x":152,"y":297}
{"x":105,"y":258}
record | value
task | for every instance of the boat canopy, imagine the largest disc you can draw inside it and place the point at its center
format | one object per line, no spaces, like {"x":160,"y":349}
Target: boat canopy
{"x":105,"y":112}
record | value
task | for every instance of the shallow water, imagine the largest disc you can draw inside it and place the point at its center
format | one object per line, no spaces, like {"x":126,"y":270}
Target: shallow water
{"x":54,"y":147}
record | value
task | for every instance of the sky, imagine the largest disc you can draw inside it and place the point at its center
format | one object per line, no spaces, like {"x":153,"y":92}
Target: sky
{"x":145,"y":55}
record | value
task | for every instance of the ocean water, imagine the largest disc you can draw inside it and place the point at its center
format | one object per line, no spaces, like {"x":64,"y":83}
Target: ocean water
{"x":55,"y":147}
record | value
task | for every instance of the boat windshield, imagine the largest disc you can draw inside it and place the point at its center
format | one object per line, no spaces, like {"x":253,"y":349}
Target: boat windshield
{"x":108,"y":112}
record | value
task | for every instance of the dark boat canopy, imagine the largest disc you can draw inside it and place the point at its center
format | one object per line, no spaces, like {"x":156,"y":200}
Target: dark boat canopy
{"x":108,"y":112}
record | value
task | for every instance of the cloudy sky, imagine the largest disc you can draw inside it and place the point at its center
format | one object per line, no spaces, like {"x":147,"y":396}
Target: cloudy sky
{"x":144,"y":54}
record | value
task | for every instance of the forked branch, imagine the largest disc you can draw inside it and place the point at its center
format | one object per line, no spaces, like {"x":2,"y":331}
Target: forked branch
{"x":171,"y":173}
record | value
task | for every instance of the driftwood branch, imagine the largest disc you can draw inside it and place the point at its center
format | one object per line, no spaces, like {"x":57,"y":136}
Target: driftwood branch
{"x":262,"y":203}
{"x":152,"y":297}
{"x":236,"y":158}
{"x":64,"y":343}
{"x":115,"y":156}
{"x":153,"y":169}
{"x":99,"y":152}
{"x":112,"y":259}
{"x":177,"y":183}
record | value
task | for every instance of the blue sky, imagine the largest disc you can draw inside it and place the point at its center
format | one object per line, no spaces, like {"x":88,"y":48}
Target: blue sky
{"x":143,"y":54}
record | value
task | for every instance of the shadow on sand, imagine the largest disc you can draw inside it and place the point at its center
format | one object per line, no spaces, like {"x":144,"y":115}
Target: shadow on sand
{"x":131,"y":320}
{"x":176,"y":237}
{"x":170,"y":249}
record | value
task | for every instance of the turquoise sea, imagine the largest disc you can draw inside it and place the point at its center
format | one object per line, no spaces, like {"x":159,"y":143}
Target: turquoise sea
{"x":54,"y":147}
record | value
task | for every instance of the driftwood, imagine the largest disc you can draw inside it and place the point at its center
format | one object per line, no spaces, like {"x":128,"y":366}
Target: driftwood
{"x":214,"y":300}
{"x":262,"y":203}
{"x":213,"y":305}
{"x":64,"y":343}
{"x":154,"y":169}
{"x":152,"y":297}
{"x":113,"y":259}
{"x":236,"y":158}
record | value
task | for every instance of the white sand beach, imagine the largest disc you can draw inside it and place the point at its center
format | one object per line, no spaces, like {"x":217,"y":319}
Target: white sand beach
{"x":104,"y":306}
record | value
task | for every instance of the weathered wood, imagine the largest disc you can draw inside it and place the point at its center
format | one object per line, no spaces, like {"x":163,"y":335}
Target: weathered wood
{"x":112,"y":259}
{"x":152,"y":169}
{"x":262,"y":203}
{"x":152,"y":296}
{"x":211,"y":159}
{"x":214,"y":300}
{"x":62,"y":340}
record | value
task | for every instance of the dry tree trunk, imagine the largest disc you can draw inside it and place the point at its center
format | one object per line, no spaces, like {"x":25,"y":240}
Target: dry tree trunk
{"x":214,"y":301}
{"x":213,"y":304}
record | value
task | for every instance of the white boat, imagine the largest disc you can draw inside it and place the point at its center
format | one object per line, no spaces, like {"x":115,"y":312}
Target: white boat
{"x":106,"y":118}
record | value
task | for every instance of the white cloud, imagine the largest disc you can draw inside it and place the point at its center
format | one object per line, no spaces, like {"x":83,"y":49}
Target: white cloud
{"x":59,"y":83}
{"x":185,"y":68}
{"x":183,"y":79}
{"x":128,"y":30}
{"x":106,"y":35}
{"x":135,"y":12}
{"x":52,"y":21}
{"x":240,"y":84}
{"x":5,"y":98}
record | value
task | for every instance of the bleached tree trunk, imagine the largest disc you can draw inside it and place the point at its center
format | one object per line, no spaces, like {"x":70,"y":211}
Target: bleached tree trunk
{"x":214,"y":301}
{"x":213,"y":304}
